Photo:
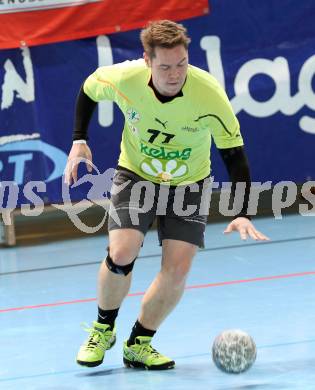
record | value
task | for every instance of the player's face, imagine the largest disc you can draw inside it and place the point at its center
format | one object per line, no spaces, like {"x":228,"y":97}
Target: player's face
{"x":169,"y":69}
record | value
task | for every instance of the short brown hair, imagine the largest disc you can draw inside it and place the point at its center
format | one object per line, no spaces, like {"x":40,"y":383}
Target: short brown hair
{"x":163,"y":33}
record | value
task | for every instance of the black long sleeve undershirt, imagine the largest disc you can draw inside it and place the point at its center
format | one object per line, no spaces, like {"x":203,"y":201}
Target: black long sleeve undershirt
{"x":236,"y":163}
{"x":83,"y":112}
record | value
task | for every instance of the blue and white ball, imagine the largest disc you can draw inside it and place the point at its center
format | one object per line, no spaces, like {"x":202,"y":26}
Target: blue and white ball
{"x":234,"y":351}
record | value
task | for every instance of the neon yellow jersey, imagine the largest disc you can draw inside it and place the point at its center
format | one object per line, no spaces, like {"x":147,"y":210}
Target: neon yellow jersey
{"x":167,"y":142}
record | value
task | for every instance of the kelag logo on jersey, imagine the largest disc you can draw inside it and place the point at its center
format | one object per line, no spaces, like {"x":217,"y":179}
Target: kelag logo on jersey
{"x":164,"y":153}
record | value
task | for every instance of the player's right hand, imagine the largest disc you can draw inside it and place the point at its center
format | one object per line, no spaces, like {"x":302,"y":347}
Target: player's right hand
{"x":78,"y":153}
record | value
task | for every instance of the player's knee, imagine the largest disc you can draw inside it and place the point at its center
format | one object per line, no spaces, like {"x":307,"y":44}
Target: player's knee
{"x":177,"y":273}
{"x":119,"y":269}
{"x":121,"y":256}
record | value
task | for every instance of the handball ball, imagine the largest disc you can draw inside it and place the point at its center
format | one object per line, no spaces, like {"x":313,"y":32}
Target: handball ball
{"x":233,"y":351}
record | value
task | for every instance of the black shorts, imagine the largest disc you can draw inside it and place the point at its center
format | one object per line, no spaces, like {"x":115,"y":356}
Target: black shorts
{"x":136,"y":202}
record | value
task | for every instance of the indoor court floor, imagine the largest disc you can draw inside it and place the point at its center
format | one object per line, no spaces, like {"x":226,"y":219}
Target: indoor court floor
{"x":266,"y":289}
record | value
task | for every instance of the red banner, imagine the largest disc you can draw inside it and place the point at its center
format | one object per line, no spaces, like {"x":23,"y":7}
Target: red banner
{"x":37,"y":22}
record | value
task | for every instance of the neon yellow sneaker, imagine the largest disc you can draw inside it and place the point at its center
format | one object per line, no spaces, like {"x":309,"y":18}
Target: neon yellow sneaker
{"x":143,"y":355}
{"x":101,"y":338}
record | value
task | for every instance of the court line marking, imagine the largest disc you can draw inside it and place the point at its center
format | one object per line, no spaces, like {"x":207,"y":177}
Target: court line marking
{"x":80,"y":372}
{"x":218,"y":248}
{"x":199,"y":286}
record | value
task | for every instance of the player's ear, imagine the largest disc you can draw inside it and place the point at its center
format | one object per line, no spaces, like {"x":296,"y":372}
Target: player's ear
{"x":147,"y":59}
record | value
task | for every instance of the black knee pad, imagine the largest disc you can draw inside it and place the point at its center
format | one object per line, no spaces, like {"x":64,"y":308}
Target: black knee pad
{"x":119,"y":269}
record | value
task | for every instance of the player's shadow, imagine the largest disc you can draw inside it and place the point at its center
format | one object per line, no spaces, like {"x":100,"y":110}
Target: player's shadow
{"x":110,"y":371}
{"x":253,"y":386}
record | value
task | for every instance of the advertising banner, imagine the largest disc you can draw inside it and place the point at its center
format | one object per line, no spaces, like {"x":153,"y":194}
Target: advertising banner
{"x":36,"y":22}
{"x":263,"y":57}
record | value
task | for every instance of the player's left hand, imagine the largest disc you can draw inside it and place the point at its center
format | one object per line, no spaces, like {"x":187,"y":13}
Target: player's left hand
{"x":246,"y":229}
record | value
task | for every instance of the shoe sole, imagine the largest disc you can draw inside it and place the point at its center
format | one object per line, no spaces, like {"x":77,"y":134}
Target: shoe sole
{"x":90,"y":364}
{"x":132,"y":364}
{"x":96,"y":363}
